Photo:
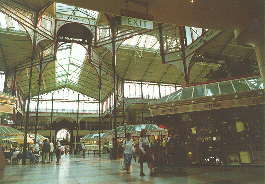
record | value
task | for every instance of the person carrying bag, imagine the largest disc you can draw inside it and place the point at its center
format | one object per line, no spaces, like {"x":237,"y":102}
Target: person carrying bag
{"x":145,"y":154}
{"x":128,"y":149}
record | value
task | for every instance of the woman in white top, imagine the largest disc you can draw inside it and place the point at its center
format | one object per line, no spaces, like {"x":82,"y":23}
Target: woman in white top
{"x":145,"y":153}
{"x":128,"y":149}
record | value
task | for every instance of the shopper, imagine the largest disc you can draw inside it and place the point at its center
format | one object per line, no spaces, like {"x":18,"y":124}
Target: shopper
{"x":176,"y":151}
{"x":36,"y":148}
{"x":58,"y":151}
{"x":31,"y":156}
{"x":84,"y":150}
{"x":45,"y":151}
{"x":51,"y":151}
{"x":128,"y":150}
{"x":15,"y":156}
{"x":145,"y":154}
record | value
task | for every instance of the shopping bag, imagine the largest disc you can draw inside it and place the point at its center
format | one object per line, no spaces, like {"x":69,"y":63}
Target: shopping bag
{"x":122,"y":164}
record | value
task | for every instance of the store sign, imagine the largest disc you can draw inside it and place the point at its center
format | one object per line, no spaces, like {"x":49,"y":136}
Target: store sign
{"x":171,"y":110}
{"x":208,"y":106}
{"x":214,"y":105}
{"x":128,"y":21}
{"x":250,"y":101}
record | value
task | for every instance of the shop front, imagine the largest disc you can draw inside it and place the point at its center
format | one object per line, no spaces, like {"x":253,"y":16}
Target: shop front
{"x":226,"y":129}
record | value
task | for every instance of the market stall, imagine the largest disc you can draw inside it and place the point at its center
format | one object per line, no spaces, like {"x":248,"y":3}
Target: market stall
{"x":92,"y":145}
{"x":11,"y":138}
{"x":39,"y":137}
{"x":8,"y":137}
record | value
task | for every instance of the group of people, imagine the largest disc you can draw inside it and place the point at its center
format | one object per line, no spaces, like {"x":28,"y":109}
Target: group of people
{"x":145,"y":154}
{"x":48,"y":150}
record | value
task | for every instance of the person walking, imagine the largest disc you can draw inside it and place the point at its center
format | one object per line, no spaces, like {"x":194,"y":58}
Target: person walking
{"x":58,"y":151}
{"x":45,"y":151}
{"x":51,"y":151}
{"x":128,"y":150}
{"x":145,"y":153}
{"x":84,"y":150}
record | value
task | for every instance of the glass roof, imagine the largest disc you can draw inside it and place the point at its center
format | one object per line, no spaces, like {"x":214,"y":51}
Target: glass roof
{"x":70,"y":59}
{"x":76,"y":11}
{"x":61,"y":97}
{"x":142,"y":41}
{"x":218,"y":88}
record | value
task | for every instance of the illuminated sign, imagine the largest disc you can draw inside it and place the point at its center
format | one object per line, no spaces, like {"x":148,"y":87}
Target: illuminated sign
{"x":128,"y":21}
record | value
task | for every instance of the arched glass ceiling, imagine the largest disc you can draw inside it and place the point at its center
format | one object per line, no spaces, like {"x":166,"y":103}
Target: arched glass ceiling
{"x":65,"y":100}
{"x":70,"y":59}
{"x":211,"y":89}
{"x":143,"y":42}
{"x":12,"y":24}
{"x":76,"y":11}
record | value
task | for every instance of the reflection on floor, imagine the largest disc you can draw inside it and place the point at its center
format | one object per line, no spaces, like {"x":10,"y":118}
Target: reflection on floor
{"x":75,"y":169}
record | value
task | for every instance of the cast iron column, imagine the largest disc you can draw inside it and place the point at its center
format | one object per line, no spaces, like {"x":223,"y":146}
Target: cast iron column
{"x":29,"y":95}
{"x":99,"y":98}
{"x":51,"y":120}
{"x":113,"y":41}
{"x":77,"y":119}
{"x":38,"y":100}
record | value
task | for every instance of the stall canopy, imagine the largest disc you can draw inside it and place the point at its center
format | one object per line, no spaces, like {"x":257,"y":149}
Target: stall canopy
{"x":7,"y":130}
{"x":213,"y":95}
{"x":9,"y":134}
{"x":138,"y":128}
{"x":20,"y":139}
{"x":91,"y":137}
{"x":39,"y":137}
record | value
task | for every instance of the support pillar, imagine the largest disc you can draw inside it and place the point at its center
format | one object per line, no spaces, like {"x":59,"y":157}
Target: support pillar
{"x":99,"y":119}
{"x":77,"y":121}
{"x":113,"y":42}
{"x":36,"y":15}
{"x":51,"y":118}
{"x":38,"y":98}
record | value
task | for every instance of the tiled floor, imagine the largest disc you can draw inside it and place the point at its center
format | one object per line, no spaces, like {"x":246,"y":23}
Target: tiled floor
{"x":75,"y":169}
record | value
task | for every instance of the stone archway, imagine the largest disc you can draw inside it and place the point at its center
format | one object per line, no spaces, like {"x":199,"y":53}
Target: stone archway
{"x":65,"y":124}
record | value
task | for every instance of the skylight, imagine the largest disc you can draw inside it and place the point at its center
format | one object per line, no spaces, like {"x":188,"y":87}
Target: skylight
{"x":2,"y":20}
{"x":70,"y":58}
{"x":12,"y":24}
{"x":76,"y":11}
{"x":144,"y":41}
{"x":61,"y":97}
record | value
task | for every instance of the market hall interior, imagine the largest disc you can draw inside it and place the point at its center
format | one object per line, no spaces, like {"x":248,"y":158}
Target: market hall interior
{"x":96,"y":70}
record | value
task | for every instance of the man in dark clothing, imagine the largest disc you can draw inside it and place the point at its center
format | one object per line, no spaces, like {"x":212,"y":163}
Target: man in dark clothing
{"x":32,"y":156}
{"x":58,"y":151}
{"x":46,"y":151}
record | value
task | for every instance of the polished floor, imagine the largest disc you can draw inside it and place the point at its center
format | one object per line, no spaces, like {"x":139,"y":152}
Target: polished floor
{"x":75,"y":169}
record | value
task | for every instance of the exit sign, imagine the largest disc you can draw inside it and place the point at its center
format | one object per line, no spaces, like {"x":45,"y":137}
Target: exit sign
{"x":128,"y":21}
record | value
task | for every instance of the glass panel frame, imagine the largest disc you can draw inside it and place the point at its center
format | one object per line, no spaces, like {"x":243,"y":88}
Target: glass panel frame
{"x":240,"y":85}
{"x":199,"y":91}
{"x":186,"y":93}
{"x":226,"y":87}
{"x":255,"y":83}
{"x":212,"y":89}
